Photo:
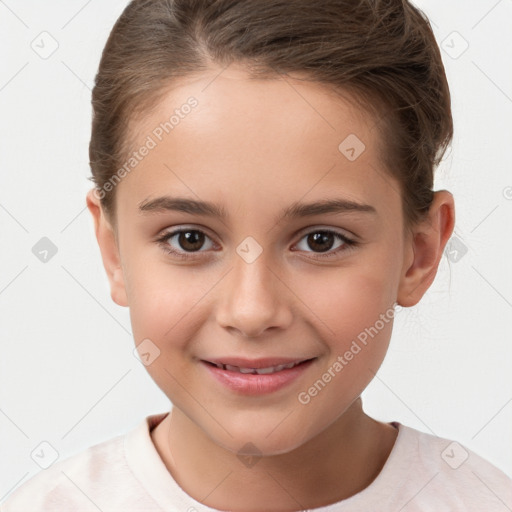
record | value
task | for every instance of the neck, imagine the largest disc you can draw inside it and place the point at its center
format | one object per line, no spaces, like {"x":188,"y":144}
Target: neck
{"x":336,"y":464}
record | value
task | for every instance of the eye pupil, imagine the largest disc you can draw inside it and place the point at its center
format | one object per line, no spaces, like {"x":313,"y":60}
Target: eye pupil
{"x":195,"y":238}
{"x":320,"y":238}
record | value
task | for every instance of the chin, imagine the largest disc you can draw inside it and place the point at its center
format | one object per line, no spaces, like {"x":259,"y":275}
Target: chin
{"x":248,"y":441}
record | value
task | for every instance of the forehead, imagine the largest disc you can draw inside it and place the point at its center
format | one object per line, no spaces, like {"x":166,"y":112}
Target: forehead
{"x":254,"y":138}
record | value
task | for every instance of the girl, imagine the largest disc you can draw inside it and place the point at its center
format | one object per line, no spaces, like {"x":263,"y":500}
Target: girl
{"x":263,"y":204}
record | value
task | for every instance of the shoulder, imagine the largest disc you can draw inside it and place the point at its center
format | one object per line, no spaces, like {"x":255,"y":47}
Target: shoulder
{"x":85,"y":481}
{"x":441,"y":472}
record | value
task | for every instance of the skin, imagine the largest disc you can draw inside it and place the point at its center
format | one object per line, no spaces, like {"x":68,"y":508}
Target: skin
{"x":255,"y":147}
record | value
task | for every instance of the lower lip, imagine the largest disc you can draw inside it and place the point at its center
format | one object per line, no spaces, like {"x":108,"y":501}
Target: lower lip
{"x":254,"y":384}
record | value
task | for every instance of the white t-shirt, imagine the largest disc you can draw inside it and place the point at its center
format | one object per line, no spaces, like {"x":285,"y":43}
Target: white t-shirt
{"x":126,"y":474}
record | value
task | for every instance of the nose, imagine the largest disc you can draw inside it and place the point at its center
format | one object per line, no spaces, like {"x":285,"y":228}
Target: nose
{"x":254,"y":300}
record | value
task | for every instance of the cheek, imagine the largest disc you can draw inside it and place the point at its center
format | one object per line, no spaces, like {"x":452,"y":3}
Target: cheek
{"x":346,"y":300}
{"x":162,"y":299}
{"x":357,"y":325}
{"x":353,"y":315}
{"x":163,"y":312}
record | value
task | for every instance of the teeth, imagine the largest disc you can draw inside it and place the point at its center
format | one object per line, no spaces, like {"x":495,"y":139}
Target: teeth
{"x":263,"y":371}
{"x":259,"y":371}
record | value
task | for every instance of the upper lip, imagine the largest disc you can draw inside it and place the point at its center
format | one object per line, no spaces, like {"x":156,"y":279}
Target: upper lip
{"x":264,"y":362}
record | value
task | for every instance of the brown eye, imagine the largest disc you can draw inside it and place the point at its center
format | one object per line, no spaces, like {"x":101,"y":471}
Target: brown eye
{"x":185,"y":243}
{"x":191,"y":240}
{"x":323,"y":240}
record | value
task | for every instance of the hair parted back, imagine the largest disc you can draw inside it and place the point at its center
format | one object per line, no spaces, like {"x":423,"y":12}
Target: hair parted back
{"x":382,"y":51}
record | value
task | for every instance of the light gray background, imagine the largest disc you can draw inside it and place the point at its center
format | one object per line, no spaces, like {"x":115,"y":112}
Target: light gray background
{"x":68,"y":375}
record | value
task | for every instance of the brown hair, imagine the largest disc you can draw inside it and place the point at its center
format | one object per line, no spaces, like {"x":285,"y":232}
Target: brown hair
{"x":383,"y":51}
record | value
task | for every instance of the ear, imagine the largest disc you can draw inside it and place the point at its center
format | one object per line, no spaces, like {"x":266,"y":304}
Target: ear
{"x":425,"y":247}
{"x":107,"y":242}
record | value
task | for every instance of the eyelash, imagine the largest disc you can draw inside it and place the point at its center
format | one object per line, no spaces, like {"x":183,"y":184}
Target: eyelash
{"x":164,"y":239}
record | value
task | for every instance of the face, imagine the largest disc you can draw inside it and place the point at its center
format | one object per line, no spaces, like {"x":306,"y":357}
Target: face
{"x":257,"y":287}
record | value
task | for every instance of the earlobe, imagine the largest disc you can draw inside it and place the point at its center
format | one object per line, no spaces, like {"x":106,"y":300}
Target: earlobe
{"x":109,"y":249}
{"x":425,"y":249}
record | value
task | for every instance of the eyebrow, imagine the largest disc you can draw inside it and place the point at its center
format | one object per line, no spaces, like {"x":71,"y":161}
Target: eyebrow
{"x":295,"y":210}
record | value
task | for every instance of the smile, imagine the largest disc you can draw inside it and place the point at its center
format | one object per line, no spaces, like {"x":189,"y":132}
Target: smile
{"x":256,"y":377}
{"x":259,"y":371}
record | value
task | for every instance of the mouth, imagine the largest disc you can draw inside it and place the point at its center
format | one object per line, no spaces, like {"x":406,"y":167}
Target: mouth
{"x":256,"y":376}
{"x":257,"y":370}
